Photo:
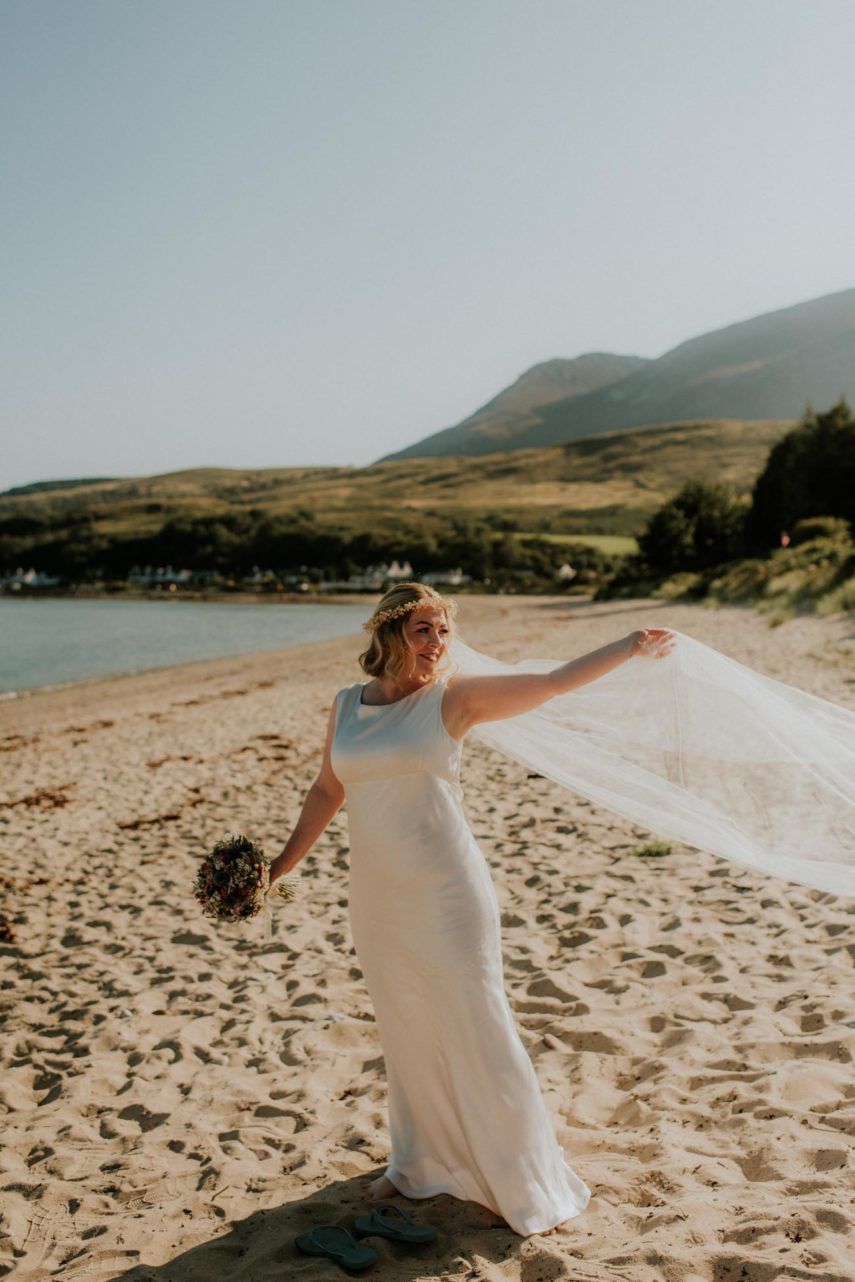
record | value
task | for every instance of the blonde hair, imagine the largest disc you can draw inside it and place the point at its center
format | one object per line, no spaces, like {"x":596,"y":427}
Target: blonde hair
{"x":388,"y":652}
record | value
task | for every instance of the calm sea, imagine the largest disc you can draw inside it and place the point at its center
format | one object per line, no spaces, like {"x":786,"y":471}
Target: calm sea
{"x":53,"y":641}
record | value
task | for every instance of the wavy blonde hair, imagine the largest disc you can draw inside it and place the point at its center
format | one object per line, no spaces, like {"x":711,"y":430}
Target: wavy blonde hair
{"x":388,"y":652}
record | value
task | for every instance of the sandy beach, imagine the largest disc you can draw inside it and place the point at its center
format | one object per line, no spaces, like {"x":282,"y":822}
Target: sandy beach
{"x":180,"y":1100}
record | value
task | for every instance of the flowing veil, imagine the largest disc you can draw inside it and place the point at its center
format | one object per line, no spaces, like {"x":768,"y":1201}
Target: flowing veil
{"x":701,"y":749}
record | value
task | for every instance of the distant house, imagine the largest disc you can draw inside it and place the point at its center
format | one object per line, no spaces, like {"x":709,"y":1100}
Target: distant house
{"x":31,"y":578}
{"x":374,"y":578}
{"x":399,"y":573}
{"x":259,"y":577}
{"x":451,"y":578}
{"x":371,"y":579}
{"x":151,"y":576}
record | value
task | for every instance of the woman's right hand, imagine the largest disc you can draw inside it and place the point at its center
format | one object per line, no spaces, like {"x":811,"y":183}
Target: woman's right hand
{"x":651,"y":643}
{"x":274,"y":873}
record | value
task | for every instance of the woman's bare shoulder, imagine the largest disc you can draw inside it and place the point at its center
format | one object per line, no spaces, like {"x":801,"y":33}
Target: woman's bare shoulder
{"x":456,"y":701}
{"x":461,"y":681}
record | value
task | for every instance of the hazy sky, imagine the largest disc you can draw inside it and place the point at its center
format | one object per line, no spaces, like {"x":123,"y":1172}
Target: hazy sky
{"x":275,"y":232}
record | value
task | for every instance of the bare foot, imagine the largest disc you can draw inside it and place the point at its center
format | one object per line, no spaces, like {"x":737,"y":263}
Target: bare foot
{"x":381,"y":1188}
{"x":555,"y":1229}
{"x":486,"y":1217}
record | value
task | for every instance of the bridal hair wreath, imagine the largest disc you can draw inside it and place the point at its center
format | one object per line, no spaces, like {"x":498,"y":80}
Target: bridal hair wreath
{"x":381,"y":616}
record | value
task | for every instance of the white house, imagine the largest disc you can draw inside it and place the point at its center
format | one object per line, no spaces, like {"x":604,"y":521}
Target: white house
{"x":158,"y":575}
{"x":452,"y":578}
{"x":30,"y":579}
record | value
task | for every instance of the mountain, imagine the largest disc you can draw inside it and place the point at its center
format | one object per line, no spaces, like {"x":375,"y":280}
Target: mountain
{"x":765,"y":368}
{"x":499,"y":424}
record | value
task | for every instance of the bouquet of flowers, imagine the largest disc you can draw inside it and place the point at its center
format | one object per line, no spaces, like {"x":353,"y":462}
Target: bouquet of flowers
{"x":233,"y":881}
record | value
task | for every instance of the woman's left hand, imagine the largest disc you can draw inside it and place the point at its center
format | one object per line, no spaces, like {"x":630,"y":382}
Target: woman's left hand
{"x":651,"y":643}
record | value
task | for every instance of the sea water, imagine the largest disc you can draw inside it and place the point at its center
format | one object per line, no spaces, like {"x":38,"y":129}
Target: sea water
{"x":54,"y":641}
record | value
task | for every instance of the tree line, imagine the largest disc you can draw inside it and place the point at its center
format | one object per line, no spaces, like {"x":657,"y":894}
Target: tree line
{"x":806,"y":490}
{"x":233,"y":543}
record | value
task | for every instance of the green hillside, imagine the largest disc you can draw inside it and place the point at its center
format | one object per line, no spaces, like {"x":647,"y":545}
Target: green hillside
{"x":607,"y":484}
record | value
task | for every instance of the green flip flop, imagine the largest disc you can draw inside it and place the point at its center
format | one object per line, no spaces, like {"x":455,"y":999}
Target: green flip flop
{"x":388,"y":1220}
{"x":336,"y":1244}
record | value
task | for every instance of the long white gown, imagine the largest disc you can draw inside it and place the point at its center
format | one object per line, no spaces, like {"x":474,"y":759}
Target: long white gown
{"x":466,"y":1116}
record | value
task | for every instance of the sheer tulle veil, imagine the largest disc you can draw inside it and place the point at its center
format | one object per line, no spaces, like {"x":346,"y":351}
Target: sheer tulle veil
{"x":700,"y":749}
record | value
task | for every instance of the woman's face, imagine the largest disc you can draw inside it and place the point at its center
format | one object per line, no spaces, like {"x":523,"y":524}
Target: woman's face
{"x":427,"y":634}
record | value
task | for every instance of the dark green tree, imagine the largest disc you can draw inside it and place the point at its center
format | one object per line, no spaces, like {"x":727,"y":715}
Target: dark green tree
{"x":810,"y":472}
{"x":701,"y":526}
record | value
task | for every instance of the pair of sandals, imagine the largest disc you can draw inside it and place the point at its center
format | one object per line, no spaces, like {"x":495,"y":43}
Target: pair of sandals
{"x":385,"y":1220}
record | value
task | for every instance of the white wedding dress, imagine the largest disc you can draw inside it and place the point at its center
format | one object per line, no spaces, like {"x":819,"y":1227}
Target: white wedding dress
{"x":466,"y":1116}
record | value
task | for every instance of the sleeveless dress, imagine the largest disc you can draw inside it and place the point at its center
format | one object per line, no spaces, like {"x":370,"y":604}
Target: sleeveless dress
{"x":466,"y":1116}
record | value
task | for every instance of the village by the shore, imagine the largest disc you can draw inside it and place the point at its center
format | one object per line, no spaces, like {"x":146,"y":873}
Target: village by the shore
{"x":165,"y":579}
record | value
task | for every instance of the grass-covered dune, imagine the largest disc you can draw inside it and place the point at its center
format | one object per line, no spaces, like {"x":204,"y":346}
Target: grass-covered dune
{"x":814,"y":576}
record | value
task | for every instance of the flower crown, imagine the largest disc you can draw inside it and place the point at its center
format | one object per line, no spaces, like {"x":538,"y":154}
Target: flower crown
{"x":395,"y":612}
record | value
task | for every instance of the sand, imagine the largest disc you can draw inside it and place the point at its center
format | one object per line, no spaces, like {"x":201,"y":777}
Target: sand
{"x":181,"y":1100}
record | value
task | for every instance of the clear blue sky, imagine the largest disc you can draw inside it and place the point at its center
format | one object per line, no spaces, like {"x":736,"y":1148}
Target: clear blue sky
{"x":274,"y":232}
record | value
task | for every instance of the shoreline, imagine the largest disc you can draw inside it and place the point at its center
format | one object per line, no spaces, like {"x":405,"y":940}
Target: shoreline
{"x":254,"y":598}
{"x":26,"y":692}
{"x":215,"y":598}
{"x":189,"y":670}
{"x":29,"y":692}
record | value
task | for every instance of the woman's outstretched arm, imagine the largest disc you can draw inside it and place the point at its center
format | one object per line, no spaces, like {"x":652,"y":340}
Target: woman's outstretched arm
{"x":471,"y":700}
{"x":323,"y":800}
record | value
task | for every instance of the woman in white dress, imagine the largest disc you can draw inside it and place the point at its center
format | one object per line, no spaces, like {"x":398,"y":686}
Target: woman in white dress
{"x":466,"y":1116}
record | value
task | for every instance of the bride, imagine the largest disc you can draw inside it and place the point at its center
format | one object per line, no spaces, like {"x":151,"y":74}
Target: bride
{"x":466,"y":1116}
{"x":698,"y":748}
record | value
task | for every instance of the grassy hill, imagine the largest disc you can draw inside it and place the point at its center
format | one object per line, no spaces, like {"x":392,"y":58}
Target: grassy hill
{"x":39,"y":487}
{"x":606,"y":484}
